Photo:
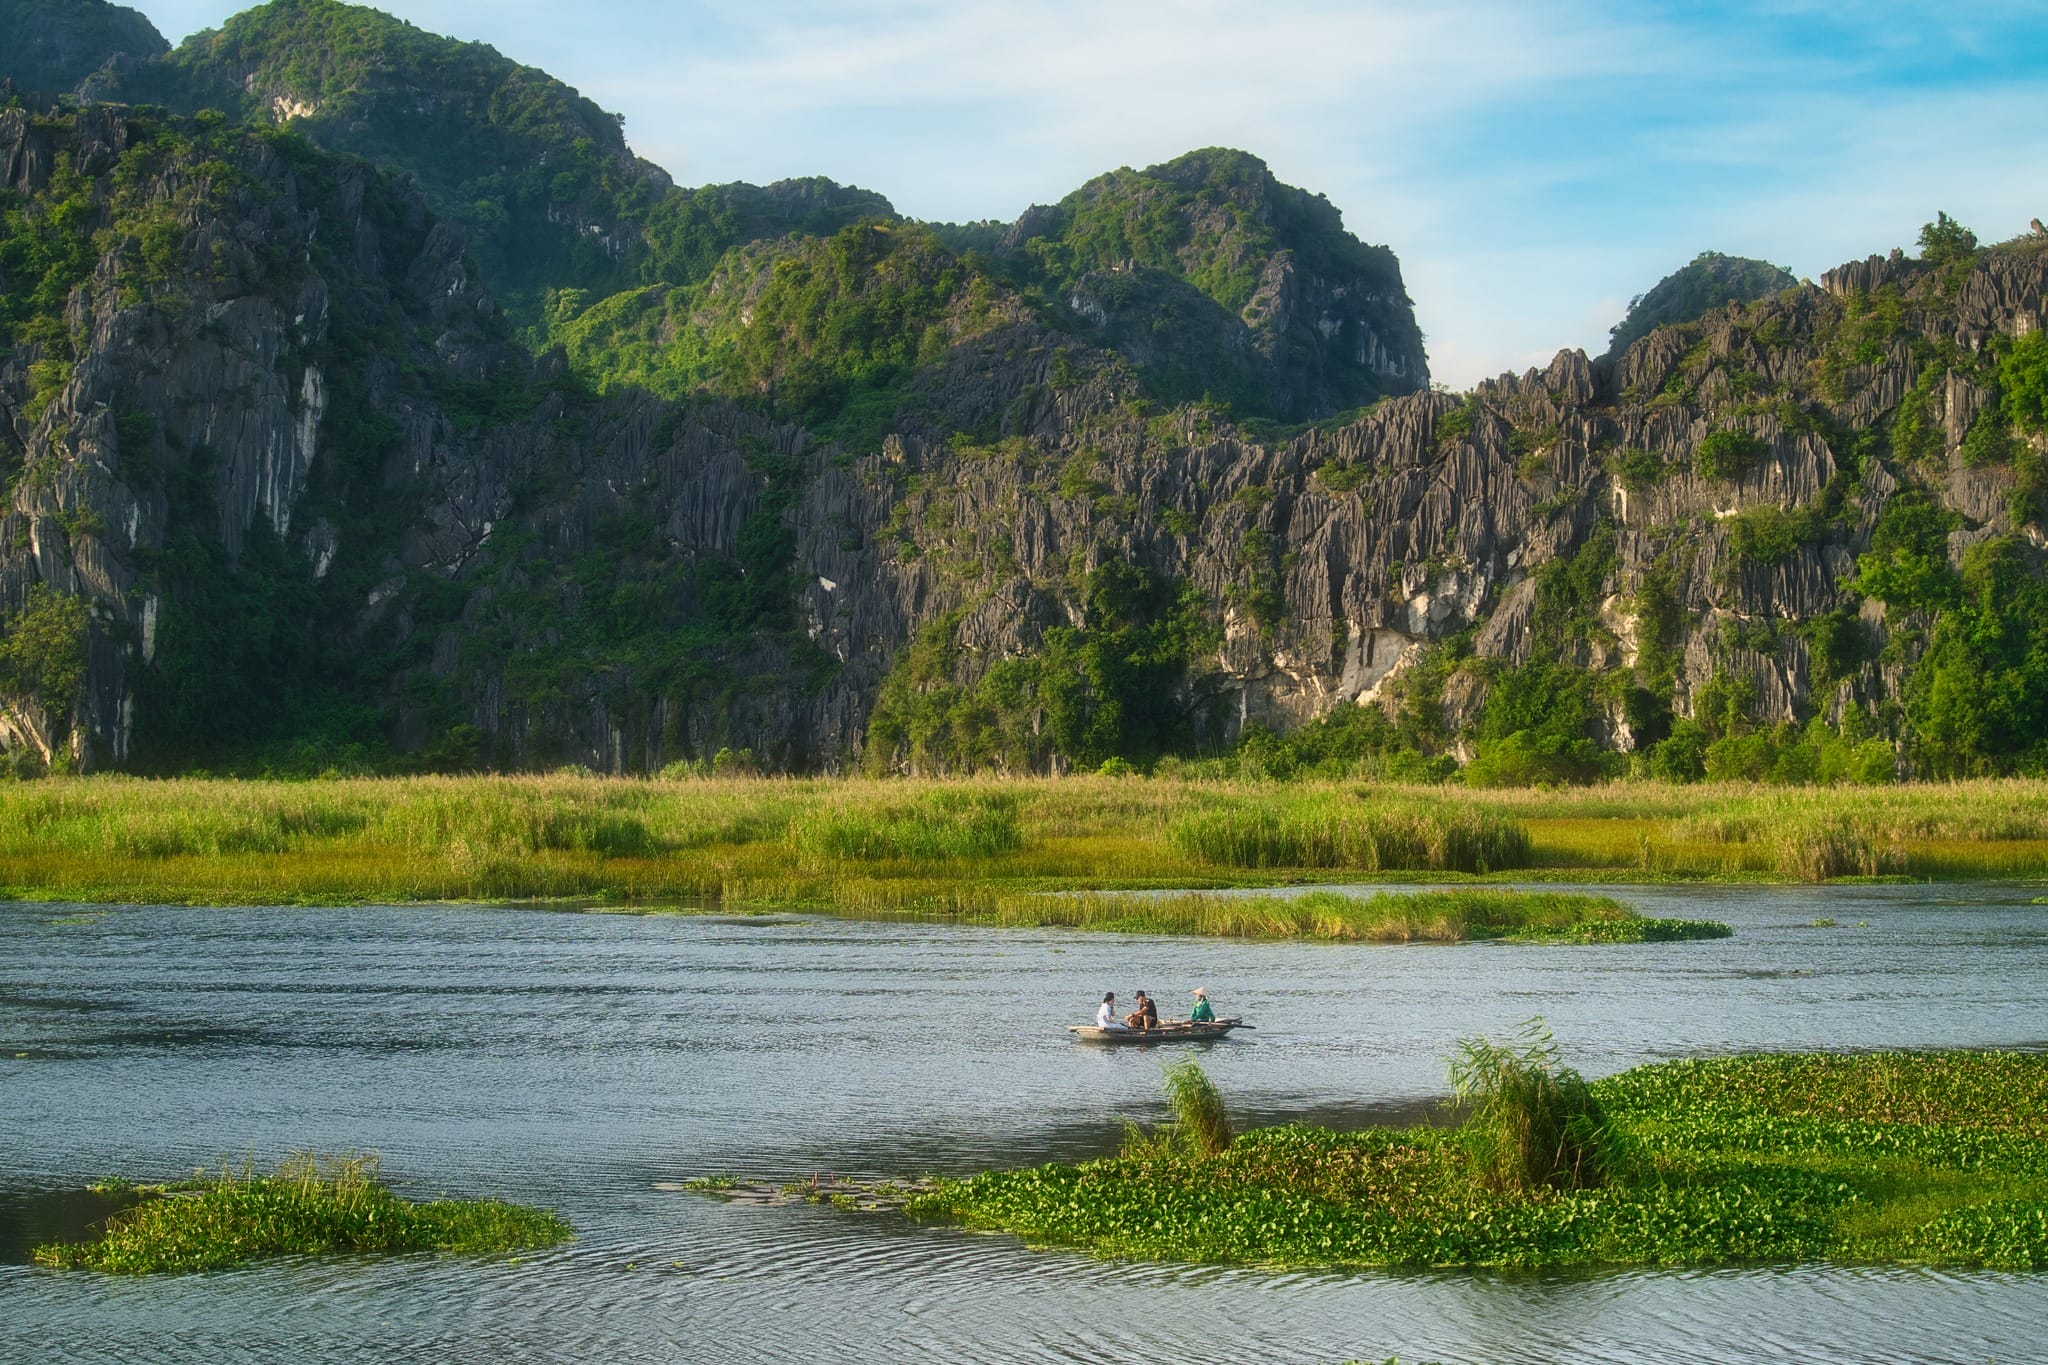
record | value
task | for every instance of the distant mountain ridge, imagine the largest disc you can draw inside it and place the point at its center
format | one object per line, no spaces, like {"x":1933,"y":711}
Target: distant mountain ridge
{"x":52,"y":46}
{"x":1276,"y":309}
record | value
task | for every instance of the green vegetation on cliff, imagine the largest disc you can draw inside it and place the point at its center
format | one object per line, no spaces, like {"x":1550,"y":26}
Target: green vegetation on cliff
{"x":42,"y":671}
{"x":255,"y":650}
{"x":1214,"y":218}
{"x":826,"y":330}
{"x":1709,"y":282}
{"x":1218,"y":223}
{"x":1104,"y":691}
{"x":540,"y":176}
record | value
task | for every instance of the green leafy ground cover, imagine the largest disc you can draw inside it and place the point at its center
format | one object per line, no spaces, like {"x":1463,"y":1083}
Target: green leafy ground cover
{"x":309,"y":1206}
{"x":1936,"y":1158}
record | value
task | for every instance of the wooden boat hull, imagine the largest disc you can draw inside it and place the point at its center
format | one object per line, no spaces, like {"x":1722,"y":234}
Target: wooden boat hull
{"x":1165,"y":1033}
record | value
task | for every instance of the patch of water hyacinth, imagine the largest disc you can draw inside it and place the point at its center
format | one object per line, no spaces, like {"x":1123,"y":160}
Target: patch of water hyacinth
{"x":1922,"y":1158}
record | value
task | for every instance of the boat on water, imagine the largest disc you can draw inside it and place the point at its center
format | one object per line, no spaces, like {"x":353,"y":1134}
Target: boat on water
{"x":1180,"y":1032}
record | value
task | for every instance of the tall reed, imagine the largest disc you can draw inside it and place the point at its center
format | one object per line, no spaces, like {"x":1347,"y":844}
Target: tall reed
{"x":1534,"y":1121}
{"x":1198,"y":1112}
{"x":1351,"y":834}
{"x":930,"y":826}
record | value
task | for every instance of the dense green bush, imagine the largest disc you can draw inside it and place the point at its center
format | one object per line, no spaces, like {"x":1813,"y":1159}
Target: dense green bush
{"x":1108,"y":688}
{"x":1348,"y":741}
{"x":1525,"y":759}
{"x":1907,"y":565}
{"x":1728,"y":456}
{"x":1978,"y":701}
{"x":1534,"y":1122}
{"x":1945,"y":240}
{"x":42,"y":652}
{"x":1536,"y":729}
{"x":1639,"y":469}
{"x":1768,"y":535}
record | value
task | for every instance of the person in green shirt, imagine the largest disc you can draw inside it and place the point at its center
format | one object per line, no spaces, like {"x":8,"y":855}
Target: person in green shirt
{"x":1201,"y":1014}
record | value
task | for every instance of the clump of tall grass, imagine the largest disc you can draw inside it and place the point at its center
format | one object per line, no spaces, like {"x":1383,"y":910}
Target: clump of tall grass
{"x":310,"y":1205}
{"x":1368,"y":838}
{"x":1835,"y":847}
{"x":1198,"y":1112}
{"x":1808,"y":845}
{"x":930,"y":827}
{"x":1200,"y":1126}
{"x":1534,"y":1122}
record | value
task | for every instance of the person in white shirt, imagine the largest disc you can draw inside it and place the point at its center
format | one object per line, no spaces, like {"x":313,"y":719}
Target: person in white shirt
{"x":1106,"y":1016}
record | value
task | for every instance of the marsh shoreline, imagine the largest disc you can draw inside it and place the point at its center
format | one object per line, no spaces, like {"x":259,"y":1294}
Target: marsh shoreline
{"x":961,"y":849}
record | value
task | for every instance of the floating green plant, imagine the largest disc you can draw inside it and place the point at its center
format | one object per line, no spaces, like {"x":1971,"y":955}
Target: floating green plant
{"x":309,"y":1206}
{"x":1934,"y":1158}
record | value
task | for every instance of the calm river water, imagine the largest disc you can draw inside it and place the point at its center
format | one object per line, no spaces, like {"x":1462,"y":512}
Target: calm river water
{"x":580,"y":1060}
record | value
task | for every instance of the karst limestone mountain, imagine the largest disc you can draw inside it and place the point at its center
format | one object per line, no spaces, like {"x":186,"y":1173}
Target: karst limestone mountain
{"x":365,"y":402}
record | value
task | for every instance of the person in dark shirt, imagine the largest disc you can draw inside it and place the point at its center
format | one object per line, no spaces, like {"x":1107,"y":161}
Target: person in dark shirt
{"x":1146,"y":1015}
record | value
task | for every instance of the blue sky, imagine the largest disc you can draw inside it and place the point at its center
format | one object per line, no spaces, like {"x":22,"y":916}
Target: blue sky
{"x":1533,"y":164}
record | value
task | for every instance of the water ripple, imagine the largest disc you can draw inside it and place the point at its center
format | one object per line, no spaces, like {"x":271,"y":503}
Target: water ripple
{"x":578,"y":1060}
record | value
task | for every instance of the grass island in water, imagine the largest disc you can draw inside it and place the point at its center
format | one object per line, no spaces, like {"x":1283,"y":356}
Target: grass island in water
{"x":1459,"y":915}
{"x":1936,"y":1158}
{"x":309,"y":1206}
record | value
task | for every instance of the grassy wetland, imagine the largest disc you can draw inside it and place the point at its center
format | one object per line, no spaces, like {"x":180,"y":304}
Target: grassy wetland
{"x":1936,"y":1158}
{"x":965,"y":848}
{"x":309,"y":1206}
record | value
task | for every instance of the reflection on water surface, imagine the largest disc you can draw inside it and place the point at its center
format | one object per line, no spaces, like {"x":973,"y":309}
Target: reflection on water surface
{"x":577,"y":1060}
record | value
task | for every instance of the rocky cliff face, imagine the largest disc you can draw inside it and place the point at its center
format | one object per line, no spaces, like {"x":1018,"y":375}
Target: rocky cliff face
{"x":1331,"y":565}
{"x":273,"y":429}
{"x":1578,"y":515}
{"x":835,"y":489}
